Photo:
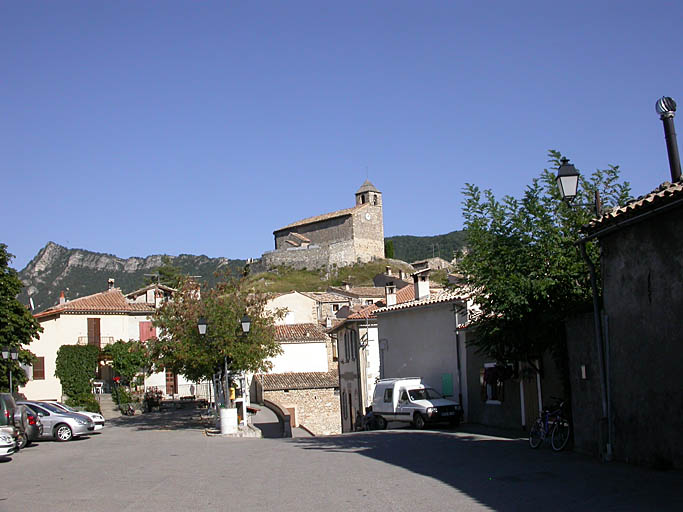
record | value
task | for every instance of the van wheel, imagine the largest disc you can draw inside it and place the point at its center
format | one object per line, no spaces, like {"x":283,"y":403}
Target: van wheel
{"x":418,"y":421}
{"x":381,"y":422}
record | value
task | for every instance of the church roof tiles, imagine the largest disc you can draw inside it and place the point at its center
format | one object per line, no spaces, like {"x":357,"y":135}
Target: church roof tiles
{"x":319,"y":218}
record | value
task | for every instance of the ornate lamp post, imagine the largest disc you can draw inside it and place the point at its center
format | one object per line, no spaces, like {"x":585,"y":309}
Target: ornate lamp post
{"x":568,"y":184}
{"x":12,"y":354}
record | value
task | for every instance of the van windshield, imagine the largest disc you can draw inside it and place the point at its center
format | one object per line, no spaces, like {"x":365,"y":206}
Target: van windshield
{"x":424,"y":394}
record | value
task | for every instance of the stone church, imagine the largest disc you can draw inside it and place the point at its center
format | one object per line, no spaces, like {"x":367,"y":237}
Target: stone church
{"x":339,"y":238}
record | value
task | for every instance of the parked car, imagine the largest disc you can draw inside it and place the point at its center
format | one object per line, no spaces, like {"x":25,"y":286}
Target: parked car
{"x":7,"y":415}
{"x":7,"y":410}
{"x":60,"y":425}
{"x":29,"y":426}
{"x":97,"y":419}
{"x":409,"y":400}
{"x":7,"y":444}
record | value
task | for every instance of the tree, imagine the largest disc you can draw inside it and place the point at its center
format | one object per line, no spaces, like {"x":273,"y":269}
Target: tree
{"x":524,"y":265}
{"x":389,"y":249}
{"x":17,"y":325}
{"x":167,"y":274}
{"x":128,"y":359}
{"x":181,"y":348}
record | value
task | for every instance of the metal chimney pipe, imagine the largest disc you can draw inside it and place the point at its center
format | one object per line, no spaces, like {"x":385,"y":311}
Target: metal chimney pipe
{"x":666,"y":108}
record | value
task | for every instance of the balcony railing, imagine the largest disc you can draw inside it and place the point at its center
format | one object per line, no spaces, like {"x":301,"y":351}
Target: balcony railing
{"x":104,"y":341}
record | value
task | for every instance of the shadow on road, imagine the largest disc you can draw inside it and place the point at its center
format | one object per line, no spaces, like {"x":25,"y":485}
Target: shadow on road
{"x":505,"y":474}
{"x":180,"y":419}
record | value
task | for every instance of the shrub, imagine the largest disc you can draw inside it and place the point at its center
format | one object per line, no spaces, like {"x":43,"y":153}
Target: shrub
{"x":76,"y":366}
{"x":84,"y":401}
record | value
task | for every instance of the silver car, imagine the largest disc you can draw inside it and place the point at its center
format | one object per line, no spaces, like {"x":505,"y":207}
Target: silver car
{"x":98,"y":419}
{"x":60,"y":425}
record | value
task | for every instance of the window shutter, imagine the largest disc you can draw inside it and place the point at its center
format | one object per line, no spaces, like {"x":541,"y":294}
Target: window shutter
{"x":94,"y":331}
{"x":147,"y":331}
{"x":39,"y":369}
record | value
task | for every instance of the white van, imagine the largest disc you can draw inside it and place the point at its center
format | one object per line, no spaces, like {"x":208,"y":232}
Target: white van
{"x":409,"y":400}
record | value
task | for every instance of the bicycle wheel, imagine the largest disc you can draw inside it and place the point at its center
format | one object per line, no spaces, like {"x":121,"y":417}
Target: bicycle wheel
{"x":560,"y":435}
{"x":536,"y":434}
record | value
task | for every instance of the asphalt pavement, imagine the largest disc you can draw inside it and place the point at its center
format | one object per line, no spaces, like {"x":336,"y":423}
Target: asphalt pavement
{"x":165,"y":462}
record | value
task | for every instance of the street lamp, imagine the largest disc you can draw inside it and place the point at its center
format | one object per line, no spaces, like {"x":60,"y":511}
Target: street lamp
{"x":13,"y":354}
{"x":202,"y":327}
{"x":568,"y":184}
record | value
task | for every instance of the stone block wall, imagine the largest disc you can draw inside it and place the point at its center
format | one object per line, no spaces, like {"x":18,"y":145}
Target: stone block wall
{"x":319,"y":233}
{"x":316,"y":409}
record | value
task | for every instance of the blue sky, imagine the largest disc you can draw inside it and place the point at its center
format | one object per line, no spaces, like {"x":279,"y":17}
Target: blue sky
{"x":139,"y":128}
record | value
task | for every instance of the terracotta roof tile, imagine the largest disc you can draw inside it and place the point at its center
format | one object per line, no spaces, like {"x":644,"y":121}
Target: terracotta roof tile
{"x":359,"y":291}
{"x":111,"y":301}
{"x":326,"y":296}
{"x":299,"y":380}
{"x":294,"y":333}
{"x":663,"y":195}
{"x":319,"y":218}
{"x":461,"y":294}
{"x":405,"y":294}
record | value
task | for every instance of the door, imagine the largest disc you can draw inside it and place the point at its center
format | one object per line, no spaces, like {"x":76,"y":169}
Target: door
{"x":46,"y":419}
{"x":404,"y":408}
{"x":171,"y":383}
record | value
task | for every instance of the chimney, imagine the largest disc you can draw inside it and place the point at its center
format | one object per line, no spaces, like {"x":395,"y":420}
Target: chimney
{"x":62,"y":299}
{"x":346,"y":285}
{"x":328,"y":322}
{"x":390,"y":294}
{"x":110,"y":283}
{"x":388,"y":270}
{"x":421,"y":283}
{"x":402,"y":275}
{"x":666,"y":108}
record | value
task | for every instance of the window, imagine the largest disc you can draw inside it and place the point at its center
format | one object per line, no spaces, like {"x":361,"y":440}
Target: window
{"x":345,"y":413}
{"x":388,"y":395}
{"x":347,"y":348}
{"x":368,"y":302}
{"x":39,"y":369}
{"x":335,"y":307}
{"x":354,"y":344}
{"x":492,"y":383}
{"x":335,"y":353}
{"x":404,"y":396}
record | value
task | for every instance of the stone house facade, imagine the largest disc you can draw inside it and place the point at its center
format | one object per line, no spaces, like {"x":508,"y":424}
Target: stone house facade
{"x":641,"y":373}
{"x":338,"y":238}
{"x":304,"y":378}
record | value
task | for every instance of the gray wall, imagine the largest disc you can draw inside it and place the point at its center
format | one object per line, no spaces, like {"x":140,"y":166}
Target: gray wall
{"x":589,"y":433}
{"x":323,"y":232}
{"x":643,"y":299}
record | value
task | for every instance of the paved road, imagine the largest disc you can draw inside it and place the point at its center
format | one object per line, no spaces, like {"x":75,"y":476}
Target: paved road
{"x":160,"y":462}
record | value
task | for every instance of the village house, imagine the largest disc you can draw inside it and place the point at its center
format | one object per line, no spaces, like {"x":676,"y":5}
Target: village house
{"x":429,"y":337}
{"x":100,"y":320}
{"x":627,"y":380}
{"x":303,"y":379}
{"x":357,"y":338}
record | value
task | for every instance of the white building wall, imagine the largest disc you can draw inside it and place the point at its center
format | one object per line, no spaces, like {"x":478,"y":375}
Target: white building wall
{"x":300,"y":308}
{"x":421,"y":342}
{"x":372,"y":361}
{"x":301,"y":357}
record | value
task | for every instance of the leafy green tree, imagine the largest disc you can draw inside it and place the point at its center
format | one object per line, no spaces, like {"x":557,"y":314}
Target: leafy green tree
{"x":17,"y":325}
{"x":128,"y":359}
{"x":524,"y":264}
{"x":180,"y":348}
{"x":167,"y":274}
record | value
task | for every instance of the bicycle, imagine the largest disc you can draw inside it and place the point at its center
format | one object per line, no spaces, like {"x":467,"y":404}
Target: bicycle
{"x":553,"y":424}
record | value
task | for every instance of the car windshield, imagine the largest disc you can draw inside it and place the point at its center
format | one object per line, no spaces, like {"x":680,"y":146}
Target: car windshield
{"x":60,"y":405}
{"x":52,"y":408}
{"x":424,"y":394}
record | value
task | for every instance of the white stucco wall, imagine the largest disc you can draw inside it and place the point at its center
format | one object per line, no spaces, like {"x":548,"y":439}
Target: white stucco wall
{"x":421,"y":342}
{"x":300,"y":308}
{"x":65,"y":330}
{"x":301,"y":357}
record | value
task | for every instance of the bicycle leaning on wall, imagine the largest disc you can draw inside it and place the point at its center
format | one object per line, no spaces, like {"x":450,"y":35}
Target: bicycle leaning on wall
{"x":553,"y":424}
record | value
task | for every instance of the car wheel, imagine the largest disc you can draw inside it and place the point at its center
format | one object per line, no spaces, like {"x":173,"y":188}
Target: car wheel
{"x":63,"y":432}
{"x":381,"y":422}
{"x":22,"y":441}
{"x":418,"y":421}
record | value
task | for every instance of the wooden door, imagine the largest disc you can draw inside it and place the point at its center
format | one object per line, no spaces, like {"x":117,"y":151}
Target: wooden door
{"x":171,"y":383}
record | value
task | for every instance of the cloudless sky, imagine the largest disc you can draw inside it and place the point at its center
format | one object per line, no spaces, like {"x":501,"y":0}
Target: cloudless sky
{"x":138,"y":128}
